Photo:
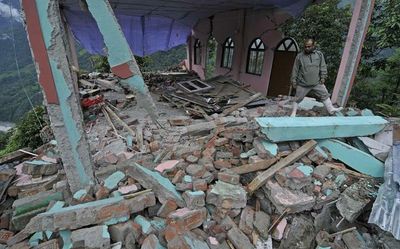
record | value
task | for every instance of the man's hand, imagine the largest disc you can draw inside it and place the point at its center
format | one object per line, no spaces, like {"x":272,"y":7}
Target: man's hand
{"x":322,"y":81}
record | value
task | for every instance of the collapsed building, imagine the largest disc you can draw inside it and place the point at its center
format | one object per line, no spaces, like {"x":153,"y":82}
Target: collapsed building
{"x":213,"y":163}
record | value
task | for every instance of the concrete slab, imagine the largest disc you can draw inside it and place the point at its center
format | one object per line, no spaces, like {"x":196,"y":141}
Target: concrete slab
{"x":278,"y":129}
{"x":354,"y":157}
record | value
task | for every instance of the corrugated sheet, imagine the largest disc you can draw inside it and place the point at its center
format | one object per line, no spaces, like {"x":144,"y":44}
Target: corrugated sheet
{"x":386,"y":210}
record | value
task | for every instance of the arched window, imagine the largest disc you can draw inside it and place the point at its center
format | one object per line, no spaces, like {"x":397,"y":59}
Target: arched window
{"x":227,"y":53}
{"x":288,"y":45}
{"x":255,"y":58}
{"x":197,"y":52}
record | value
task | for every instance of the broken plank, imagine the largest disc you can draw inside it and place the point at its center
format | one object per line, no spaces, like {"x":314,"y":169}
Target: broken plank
{"x":86,"y":84}
{"x":279,"y":129}
{"x":252,"y":167}
{"x":290,"y":159}
{"x":240,"y":104}
{"x":14,"y":156}
{"x":347,"y":171}
{"x":353,"y":157}
{"x":114,"y":115}
{"x":108,"y":85}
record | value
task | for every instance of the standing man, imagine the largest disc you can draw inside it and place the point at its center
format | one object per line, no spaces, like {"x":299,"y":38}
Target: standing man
{"x":309,"y":75}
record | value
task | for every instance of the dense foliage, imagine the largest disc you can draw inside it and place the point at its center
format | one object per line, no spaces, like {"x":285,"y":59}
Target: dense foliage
{"x":26,"y":133}
{"x":378,"y":81}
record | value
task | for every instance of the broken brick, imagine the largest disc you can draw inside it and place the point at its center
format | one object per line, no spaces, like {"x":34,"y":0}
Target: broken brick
{"x":194,"y":199}
{"x":183,"y":220}
{"x":5,"y":236}
{"x":196,"y":170}
{"x":151,"y":242}
{"x":178,"y":176}
{"x":228,"y":177}
{"x":192,"y":159}
{"x":222,"y":164}
{"x":166,"y":166}
{"x":166,"y":208}
{"x":200,"y":185}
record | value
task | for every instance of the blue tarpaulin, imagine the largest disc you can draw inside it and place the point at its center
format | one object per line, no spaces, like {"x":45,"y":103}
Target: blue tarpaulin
{"x":154,"y":25}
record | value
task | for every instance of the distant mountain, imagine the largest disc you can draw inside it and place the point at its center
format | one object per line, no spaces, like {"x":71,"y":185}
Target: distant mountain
{"x":14,"y":49}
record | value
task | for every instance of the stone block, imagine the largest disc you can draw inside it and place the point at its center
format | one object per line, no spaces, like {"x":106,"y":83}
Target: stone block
{"x":196,"y":170}
{"x":352,"y":201}
{"x":200,"y":185}
{"x":321,"y":171}
{"x":283,"y":198}
{"x":262,"y":222}
{"x":118,"y":232}
{"x":239,"y":239}
{"x":301,"y":234}
{"x":195,"y":199}
{"x":38,"y":168}
{"x":151,"y":242}
{"x":227,"y":195}
{"x":91,"y":238}
{"x":247,"y":220}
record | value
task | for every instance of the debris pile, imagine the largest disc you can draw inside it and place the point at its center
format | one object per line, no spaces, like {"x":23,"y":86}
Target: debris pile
{"x":245,"y":176}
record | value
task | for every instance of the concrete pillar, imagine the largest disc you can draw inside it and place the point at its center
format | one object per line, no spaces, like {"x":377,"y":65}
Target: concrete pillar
{"x":120,"y":57}
{"x":352,"y":52}
{"x":48,"y":41}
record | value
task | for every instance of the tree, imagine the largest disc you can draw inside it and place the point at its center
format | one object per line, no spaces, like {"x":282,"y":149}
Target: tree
{"x":386,"y":24}
{"x":328,"y":24}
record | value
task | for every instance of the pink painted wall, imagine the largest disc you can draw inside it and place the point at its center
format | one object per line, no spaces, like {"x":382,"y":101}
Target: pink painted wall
{"x":243,"y":26}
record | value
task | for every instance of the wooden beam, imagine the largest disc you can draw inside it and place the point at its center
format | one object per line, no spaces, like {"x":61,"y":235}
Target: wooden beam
{"x":290,"y":159}
{"x":241,"y":104}
{"x":252,"y":167}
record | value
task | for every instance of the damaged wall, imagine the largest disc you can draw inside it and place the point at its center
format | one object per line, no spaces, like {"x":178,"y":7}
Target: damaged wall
{"x":243,"y":26}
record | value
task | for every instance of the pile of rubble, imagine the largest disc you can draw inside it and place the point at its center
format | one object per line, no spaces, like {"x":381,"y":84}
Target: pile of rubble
{"x":242,"y":177}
